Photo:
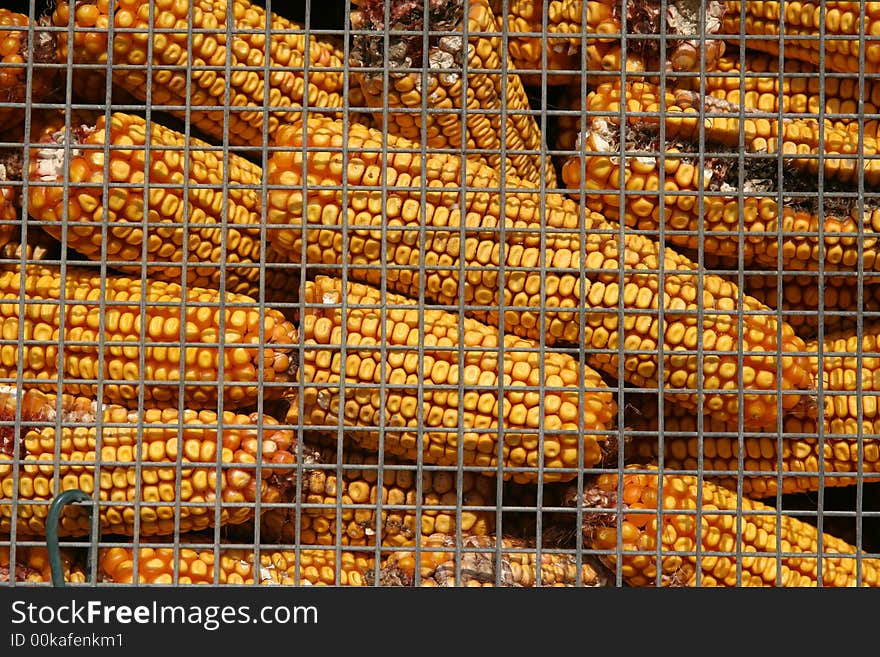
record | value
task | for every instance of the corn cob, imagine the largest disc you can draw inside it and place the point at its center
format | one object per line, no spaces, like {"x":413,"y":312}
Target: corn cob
{"x":32,"y":565}
{"x":686,"y":23}
{"x":797,"y":90}
{"x":833,"y":361}
{"x":563,"y":40}
{"x":189,"y":565}
{"x":216,"y":235}
{"x":15,"y":59}
{"x":798,"y":299}
{"x":359,"y":491}
{"x":536,"y":304}
{"x":799,"y":446}
{"x":726,"y":123}
{"x":527,"y":43}
{"x":763,"y":22}
{"x":497,"y":129}
{"x":564,"y":412}
{"x":199,"y":82}
{"x":478,"y":565}
{"x":121,"y":449}
{"x":844,"y":223}
{"x":727,"y":524}
{"x":88,"y":359}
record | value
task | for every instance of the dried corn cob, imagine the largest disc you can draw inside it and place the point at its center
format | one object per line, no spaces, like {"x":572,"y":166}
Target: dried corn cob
{"x":527,"y":42}
{"x":564,"y":412}
{"x":723,"y":529}
{"x":835,"y":361}
{"x":844,"y":222}
{"x":799,"y":89}
{"x":727,"y":123}
{"x":136,"y":467}
{"x":844,"y":451}
{"x":537,"y":304}
{"x":478,"y":565}
{"x":799,"y":297}
{"x":359,"y":491}
{"x":16,"y":57}
{"x":112,"y":358}
{"x":690,"y":27}
{"x":195,"y":86}
{"x":808,"y":238}
{"x":215,"y":234}
{"x":563,"y":40}
{"x":763,"y":22}
{"x":496,"y":120}
{"x":186,"y":565}
{"x":799,"y":446}
{"x":32,"y":564}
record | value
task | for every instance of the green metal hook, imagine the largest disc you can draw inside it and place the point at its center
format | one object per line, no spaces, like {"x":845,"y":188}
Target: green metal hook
{"x":55,"y":510}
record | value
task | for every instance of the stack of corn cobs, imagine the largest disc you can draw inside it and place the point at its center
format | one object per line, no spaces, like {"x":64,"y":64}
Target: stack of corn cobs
{"x":515,"y":293}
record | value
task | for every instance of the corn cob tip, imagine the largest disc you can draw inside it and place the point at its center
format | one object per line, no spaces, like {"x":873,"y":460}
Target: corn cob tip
{"x":33,"y":409}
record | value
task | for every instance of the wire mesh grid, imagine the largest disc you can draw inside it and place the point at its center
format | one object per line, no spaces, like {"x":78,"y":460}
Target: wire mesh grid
{"x":490,"y":378}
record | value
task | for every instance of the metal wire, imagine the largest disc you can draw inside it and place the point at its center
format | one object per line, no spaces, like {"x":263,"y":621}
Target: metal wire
{"x":539,"y":511}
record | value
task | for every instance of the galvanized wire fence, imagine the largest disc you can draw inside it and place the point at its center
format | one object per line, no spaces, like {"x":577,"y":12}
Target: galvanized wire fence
{"x":426,"y":492}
